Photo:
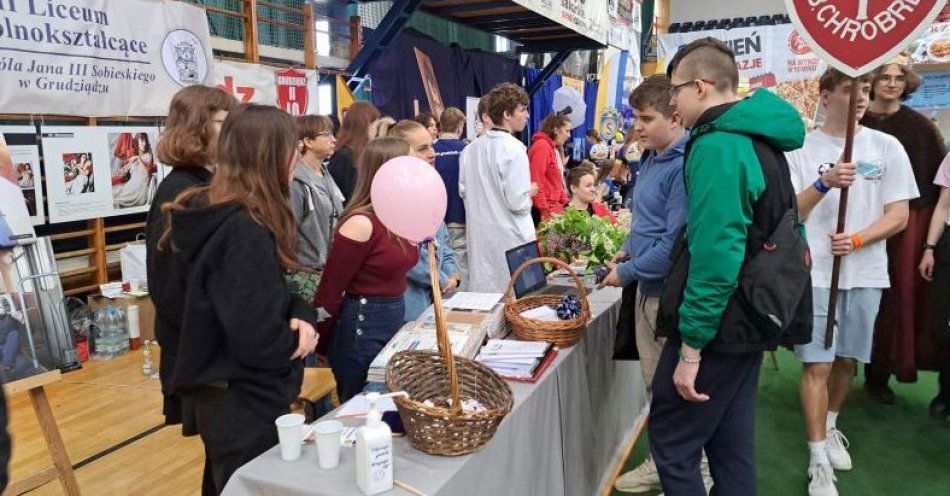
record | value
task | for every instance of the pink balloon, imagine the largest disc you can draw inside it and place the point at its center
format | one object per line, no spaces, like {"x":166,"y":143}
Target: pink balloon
{"x":409,"y":198}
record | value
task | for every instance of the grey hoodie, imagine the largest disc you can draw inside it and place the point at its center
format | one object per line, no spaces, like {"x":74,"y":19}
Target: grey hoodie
{"x":317,"y":204}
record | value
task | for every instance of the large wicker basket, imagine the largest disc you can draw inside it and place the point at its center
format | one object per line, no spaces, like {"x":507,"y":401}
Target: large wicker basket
{"x":438,"y":376}
{"x":562,"y":332}
{"x":437,"y":430}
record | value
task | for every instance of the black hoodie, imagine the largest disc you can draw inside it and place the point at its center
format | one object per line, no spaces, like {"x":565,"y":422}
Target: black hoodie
{"x":235,"y":321}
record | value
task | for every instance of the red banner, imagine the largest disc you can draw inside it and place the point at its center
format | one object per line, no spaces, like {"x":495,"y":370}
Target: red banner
{"x":856,"y":36}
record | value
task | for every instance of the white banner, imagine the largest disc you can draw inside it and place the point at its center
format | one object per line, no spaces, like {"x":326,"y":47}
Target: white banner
{"x":100,"y":57}
{"x":774,"y":57}
{"x":99,"y":171}
{"x":587,"y":17}
{"x":25,"y":163}
{"x":293,"y":90}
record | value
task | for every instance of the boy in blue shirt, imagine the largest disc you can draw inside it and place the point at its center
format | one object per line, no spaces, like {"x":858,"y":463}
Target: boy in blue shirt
{"x":658,"y":214}
{"x":447,"y":150}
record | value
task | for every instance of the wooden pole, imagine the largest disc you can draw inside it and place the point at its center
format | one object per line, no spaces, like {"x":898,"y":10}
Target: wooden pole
{"x":445,"y":345}
{"x":356,"y":36}
{"x":309,"y":52}
{"x":842,"y":212}
{"x":251,"y":35}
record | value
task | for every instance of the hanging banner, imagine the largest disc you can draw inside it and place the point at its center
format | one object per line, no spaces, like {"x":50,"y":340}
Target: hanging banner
{"x":587,"y":17}
{"x":25,"y":166}
{"x":292,"y":90}
{"x":100,"y":58}
{"x":621,"y":32}
{"x":855,"y":37}
{"x":774,"y":57}
{"x":934,"y":91}
{"x":933,"y":46}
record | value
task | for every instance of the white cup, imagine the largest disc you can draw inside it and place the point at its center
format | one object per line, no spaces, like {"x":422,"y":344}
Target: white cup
{"x":328,"y":442}
{"x":134,"y":285}
{"x":290,"y":434}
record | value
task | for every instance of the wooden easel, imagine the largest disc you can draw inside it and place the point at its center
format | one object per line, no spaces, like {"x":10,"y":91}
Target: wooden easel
{"x":62,"y":468}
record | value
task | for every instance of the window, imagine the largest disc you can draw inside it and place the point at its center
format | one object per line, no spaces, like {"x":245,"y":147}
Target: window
{"x":322,"y":31}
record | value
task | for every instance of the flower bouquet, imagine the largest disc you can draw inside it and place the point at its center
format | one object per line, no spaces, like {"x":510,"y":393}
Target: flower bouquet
{"x":577,"y":237}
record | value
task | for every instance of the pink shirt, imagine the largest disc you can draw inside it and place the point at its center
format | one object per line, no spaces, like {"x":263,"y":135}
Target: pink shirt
{"x":943,"y":176}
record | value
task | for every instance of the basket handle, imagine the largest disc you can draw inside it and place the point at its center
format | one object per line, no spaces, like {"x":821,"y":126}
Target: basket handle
{"x":445,"y":346}
{"x":509,"y":293}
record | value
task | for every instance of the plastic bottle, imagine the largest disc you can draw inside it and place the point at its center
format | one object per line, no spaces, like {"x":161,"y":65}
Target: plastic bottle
{"x":121,"y":331}
{"x":374,"y":449}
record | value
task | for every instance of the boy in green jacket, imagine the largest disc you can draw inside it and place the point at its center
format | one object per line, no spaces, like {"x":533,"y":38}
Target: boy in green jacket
{"x":737,"y":185}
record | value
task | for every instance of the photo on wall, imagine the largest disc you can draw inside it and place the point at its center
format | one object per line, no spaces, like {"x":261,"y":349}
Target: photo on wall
{"x":78,"y":173}
{"x":430,"y":83}
{"x":15,"y":226}
{"x":25,"y":159}
{"x":134,"y":171}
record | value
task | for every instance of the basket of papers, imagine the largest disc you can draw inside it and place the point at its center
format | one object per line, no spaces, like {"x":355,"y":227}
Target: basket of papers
{"x":560,"y":332}
{"x":454,"y":404}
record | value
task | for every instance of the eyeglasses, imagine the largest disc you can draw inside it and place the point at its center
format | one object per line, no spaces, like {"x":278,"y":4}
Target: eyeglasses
{"x":675,"y":89}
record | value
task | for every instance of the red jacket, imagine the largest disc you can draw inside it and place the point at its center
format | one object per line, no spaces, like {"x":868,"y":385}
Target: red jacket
{"x":546,"y":172}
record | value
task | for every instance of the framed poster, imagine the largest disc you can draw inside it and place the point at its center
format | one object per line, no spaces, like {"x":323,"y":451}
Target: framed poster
{"x":25,"y":162}
{"x":15,"y":225}
{"x":430,"y":83}
{"x":77,"y":173}
{"x":133,"y":169}
{"x":473,"y":125}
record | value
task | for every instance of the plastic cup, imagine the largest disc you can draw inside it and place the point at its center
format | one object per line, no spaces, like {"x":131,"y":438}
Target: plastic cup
{"x":328,"y":442}
{"x":290,"y":434}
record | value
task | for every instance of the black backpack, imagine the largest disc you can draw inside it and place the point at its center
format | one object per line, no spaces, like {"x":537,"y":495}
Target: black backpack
{"x":773,"y":298}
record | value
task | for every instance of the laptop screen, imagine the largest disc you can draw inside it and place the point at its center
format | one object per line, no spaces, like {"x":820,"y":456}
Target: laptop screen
{"x":532,"y":278}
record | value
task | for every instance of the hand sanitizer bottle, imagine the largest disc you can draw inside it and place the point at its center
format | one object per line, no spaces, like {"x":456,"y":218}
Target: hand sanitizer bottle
{"x":374,"y":449}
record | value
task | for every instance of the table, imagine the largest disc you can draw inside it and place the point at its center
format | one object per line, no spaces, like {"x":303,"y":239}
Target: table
{"x":563,"y":437}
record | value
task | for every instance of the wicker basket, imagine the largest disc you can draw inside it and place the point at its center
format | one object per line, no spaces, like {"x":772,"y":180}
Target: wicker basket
{"x":437,"y":376}
{"x":563,"y":332}
{"x":436,"y":430}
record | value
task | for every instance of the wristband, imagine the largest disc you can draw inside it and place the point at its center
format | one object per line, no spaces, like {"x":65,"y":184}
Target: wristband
{"x":857,"y":241}
{"x":686,"y":359}
{"x":821,"y":187}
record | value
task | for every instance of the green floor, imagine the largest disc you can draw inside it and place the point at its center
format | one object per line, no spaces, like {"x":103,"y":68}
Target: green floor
{"x":897,"y":450}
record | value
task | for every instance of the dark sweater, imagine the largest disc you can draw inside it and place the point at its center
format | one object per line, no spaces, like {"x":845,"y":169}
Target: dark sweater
{"x":342,"y":167}
{"x":165,"y":283}
{"x":923,"y":144}
{"x":235,"y":319}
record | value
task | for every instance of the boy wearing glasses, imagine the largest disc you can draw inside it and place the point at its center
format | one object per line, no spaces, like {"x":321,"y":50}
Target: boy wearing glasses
{"x":737,"y":188}
{"x":880,"y":183}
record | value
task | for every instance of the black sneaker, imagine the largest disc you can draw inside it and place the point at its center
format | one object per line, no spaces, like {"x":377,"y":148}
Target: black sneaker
{"x":883,"y":394}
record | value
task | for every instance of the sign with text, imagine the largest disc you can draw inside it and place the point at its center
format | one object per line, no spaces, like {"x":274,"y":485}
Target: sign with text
{"x":100,"y":58}
{"x":291,"y":90}
{"x":856,"y":36}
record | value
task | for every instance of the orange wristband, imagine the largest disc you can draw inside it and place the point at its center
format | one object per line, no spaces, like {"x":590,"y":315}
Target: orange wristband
{"x":857,"y":241}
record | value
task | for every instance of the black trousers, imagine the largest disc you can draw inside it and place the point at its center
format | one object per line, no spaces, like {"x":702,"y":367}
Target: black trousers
{"x":724,"y":426}
{"x":232,"y":432}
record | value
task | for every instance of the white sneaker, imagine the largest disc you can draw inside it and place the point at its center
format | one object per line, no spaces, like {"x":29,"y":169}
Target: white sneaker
{"x":821,"y":481}
{"x":707,"y":480}
{"x":642,"y":479}
{"x":837,"y":449}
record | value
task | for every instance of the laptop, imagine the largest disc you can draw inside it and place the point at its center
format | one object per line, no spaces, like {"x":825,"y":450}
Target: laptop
{"x":532,"y":280}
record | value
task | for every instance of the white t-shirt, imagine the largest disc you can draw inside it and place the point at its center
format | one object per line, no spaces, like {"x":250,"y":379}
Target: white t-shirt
{"x":884,"y":176}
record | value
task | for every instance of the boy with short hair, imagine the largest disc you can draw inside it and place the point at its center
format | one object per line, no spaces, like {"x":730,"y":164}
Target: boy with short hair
{"x":881,"y":182}
{"x":495,"y":184}
{"x":448,"y":148}
{"x":659,"y":212}
{"x":738,"y":190}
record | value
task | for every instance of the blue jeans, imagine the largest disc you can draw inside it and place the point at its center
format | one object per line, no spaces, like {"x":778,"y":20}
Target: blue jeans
{"x":362,"y":331}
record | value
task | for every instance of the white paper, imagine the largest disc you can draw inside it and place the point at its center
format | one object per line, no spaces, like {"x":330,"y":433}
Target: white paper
{"x":484,"y":302}
{"x":89,"y":174}
{"x":25,"y":161}
{"x":358,"y":406}
{"x":513,"y":346}
{"x":541,"y":313}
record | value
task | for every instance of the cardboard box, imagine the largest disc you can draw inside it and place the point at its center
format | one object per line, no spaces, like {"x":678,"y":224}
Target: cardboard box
{"x":146,"y":310}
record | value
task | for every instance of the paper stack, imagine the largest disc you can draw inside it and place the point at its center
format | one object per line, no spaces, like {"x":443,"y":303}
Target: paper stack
{"x":465,"y":339}
{"x":515,"y":359}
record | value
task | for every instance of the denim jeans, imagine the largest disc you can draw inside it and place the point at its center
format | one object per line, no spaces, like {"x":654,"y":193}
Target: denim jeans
{"x":364,"y":327}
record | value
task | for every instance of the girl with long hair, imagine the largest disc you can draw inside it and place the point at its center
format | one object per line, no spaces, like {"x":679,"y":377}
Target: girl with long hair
{"x":364,"y":280}
{"x":188,"y":146}
{"x":545,"y":158}
{"x":243,"y":333}
{"x":583,"y":184}
{"x":353,"y":137}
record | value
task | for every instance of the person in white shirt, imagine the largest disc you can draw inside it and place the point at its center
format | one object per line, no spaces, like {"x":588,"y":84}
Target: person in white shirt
{"x":881,"y":183}
{"x":495,"y":185}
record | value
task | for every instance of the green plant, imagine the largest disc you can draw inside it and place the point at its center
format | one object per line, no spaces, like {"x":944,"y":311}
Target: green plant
{"x":575,"y":234}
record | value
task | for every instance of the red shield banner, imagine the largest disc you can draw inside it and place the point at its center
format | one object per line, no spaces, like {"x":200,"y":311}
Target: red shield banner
{"x":292,"y":91}
{"x":856,"y":36}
